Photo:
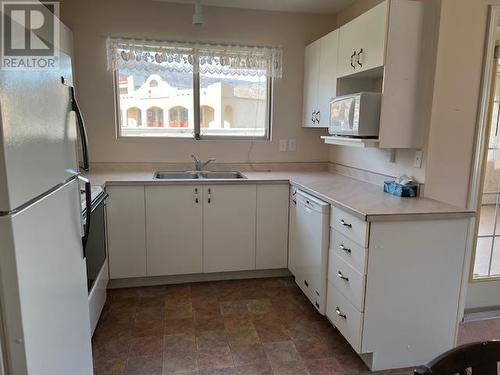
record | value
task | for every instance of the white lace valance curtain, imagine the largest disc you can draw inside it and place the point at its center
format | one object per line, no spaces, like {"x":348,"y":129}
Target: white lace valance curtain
{"x":152,"y":56}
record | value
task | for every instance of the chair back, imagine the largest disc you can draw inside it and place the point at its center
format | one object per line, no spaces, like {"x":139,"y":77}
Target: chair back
{"x":479,"y":358}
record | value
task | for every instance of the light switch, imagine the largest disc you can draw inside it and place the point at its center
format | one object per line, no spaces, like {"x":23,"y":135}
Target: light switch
{"x":292,"y":144}
{"x":283,"y":145}
{"x":417,"y":162}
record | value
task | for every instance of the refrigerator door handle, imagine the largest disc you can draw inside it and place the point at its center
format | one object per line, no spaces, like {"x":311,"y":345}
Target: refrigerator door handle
{"x":83,"y":131}
{"x":88,"y":213}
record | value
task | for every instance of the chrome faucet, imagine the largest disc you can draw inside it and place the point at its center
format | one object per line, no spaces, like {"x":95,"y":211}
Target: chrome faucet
{"x":199,"y":165}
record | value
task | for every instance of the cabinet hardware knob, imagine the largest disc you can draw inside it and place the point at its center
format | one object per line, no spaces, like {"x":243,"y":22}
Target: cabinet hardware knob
{"x":340,"y":313}
{"x":345,"y":278}
{"x":346,"y":249}
{"x":352,"y":60}
{"x":358,"y":57}
{"x":342,"y":222}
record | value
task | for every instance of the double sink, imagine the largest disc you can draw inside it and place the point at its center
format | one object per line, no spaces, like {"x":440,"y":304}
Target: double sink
{"x":195,"y":175}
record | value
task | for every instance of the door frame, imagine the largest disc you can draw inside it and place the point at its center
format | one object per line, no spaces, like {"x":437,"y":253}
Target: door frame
{"x":479,"y":156}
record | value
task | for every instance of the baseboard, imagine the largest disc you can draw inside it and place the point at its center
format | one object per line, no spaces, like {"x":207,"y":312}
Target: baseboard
{"x":193,"y":278}
{"x":478,"y":314}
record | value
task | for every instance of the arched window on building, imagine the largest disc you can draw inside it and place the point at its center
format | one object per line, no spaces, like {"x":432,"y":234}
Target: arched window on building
{"x":178,"y":117}
{"x":206,"y":116}
{"x":134,"y":117}
{"x":228,"y":116}
{"x":155,"y":117}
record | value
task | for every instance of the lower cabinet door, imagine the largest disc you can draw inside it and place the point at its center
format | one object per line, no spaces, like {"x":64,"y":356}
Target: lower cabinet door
{"x":229,"y":227}
{"x":272,"y":226}
{"x":126,"y":231}
{"x":345,"y":317}
{"x":174,"y":229}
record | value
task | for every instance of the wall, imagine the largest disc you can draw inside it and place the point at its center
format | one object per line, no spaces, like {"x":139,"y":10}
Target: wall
{"x":456,"y":99}
{"x":92,"y":21}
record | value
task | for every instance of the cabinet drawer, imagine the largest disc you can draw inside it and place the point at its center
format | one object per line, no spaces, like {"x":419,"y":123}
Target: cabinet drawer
{"x":348,"y":250}
{"x":347,"y":280}
{"x":350,"y":226}
{"x":345,"y":317}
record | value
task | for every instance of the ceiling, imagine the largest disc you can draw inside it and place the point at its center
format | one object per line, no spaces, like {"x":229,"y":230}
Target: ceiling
{"x":299,"y":6}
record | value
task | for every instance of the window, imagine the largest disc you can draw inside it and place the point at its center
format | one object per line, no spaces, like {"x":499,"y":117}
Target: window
{"x":168,"y":89}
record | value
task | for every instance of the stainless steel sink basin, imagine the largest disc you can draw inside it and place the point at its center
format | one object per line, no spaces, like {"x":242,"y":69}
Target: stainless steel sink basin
{"x":184,"y":175}
{"x":194,"y":175}
{"x":221,"y":175}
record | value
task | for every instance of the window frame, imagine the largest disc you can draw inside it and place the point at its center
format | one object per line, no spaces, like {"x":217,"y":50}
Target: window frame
{"x":197,"y":115}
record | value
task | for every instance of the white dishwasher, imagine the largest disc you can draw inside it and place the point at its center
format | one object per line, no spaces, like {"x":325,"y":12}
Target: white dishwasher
{"x":309,"y":240}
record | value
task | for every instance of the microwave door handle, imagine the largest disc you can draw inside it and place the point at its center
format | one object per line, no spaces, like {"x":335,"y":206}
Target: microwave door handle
{"x":351,"y":113}
{"x":83,"y":131}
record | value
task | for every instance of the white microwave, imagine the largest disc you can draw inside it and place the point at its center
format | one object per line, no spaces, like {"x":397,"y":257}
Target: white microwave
{"x":356,"y":115}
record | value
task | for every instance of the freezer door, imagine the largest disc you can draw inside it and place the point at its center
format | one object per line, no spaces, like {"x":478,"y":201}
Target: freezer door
{"x":44,"y":301}
{"x":37,"y":133}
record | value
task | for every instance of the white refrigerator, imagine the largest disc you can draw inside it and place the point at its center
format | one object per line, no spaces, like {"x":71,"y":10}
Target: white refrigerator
{"x":45,"y":327}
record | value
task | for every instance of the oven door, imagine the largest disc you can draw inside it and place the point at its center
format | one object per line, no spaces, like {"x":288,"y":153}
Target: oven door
{"x":96,"y":243}
{"x":342,"y":116}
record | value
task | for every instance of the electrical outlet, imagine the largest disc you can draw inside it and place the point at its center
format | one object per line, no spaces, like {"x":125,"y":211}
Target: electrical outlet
{"x":292,"y":144}
{"x":417,"y":161}
{"x":283,"y":145}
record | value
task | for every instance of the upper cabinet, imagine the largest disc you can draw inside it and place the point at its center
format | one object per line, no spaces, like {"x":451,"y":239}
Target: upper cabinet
{"x":320,"y":79}
{"x":390,"y":49}
{"x":362,"y":42}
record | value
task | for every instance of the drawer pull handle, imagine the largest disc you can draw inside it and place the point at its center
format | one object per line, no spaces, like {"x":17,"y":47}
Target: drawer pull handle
{"x":346,"y":249}
{"x":342,"y":222}
{"x":306,"y":283}
{"x":339,"y":313}
{"x":196,"y":195}
{"x":345,"y":278}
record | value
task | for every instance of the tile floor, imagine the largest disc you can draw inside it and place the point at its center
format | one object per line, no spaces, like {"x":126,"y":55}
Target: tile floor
{"x":239,"y":327}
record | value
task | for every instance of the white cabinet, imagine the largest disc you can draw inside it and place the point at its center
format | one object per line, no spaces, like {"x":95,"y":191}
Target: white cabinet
{"x":393,"y":286}
{"x":126,"y":231}
{"x":320,"y":79}
{"x":162,"y":230}
{"x":272,"y":226}
{"x":362,"y":42}
{"x":311,"y":78}
{"x":229,"y":227}
{"x":174,"y":229}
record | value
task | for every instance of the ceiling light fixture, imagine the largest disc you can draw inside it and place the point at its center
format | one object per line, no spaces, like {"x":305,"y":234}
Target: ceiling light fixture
{"x":198,"y":18}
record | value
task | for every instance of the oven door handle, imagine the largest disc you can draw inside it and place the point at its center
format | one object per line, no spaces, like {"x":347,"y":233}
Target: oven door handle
{"x":88,"y":212}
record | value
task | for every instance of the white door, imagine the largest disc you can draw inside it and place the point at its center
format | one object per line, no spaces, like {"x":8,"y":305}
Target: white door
{"x":126,"y":226}
{"x":174,"y":229}
{"x":272,"y":226}
{"x":311,"y":79}
{"x":362,"y":42}
{"x":229,"y":213}
{"x":327,"y":84}
{"x":45,"y":308}
{"x":37,"y":133}
{"x":484,"y":282}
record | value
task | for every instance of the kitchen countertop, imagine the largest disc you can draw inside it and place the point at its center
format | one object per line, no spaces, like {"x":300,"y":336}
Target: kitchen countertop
{"x":365,"y":200}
